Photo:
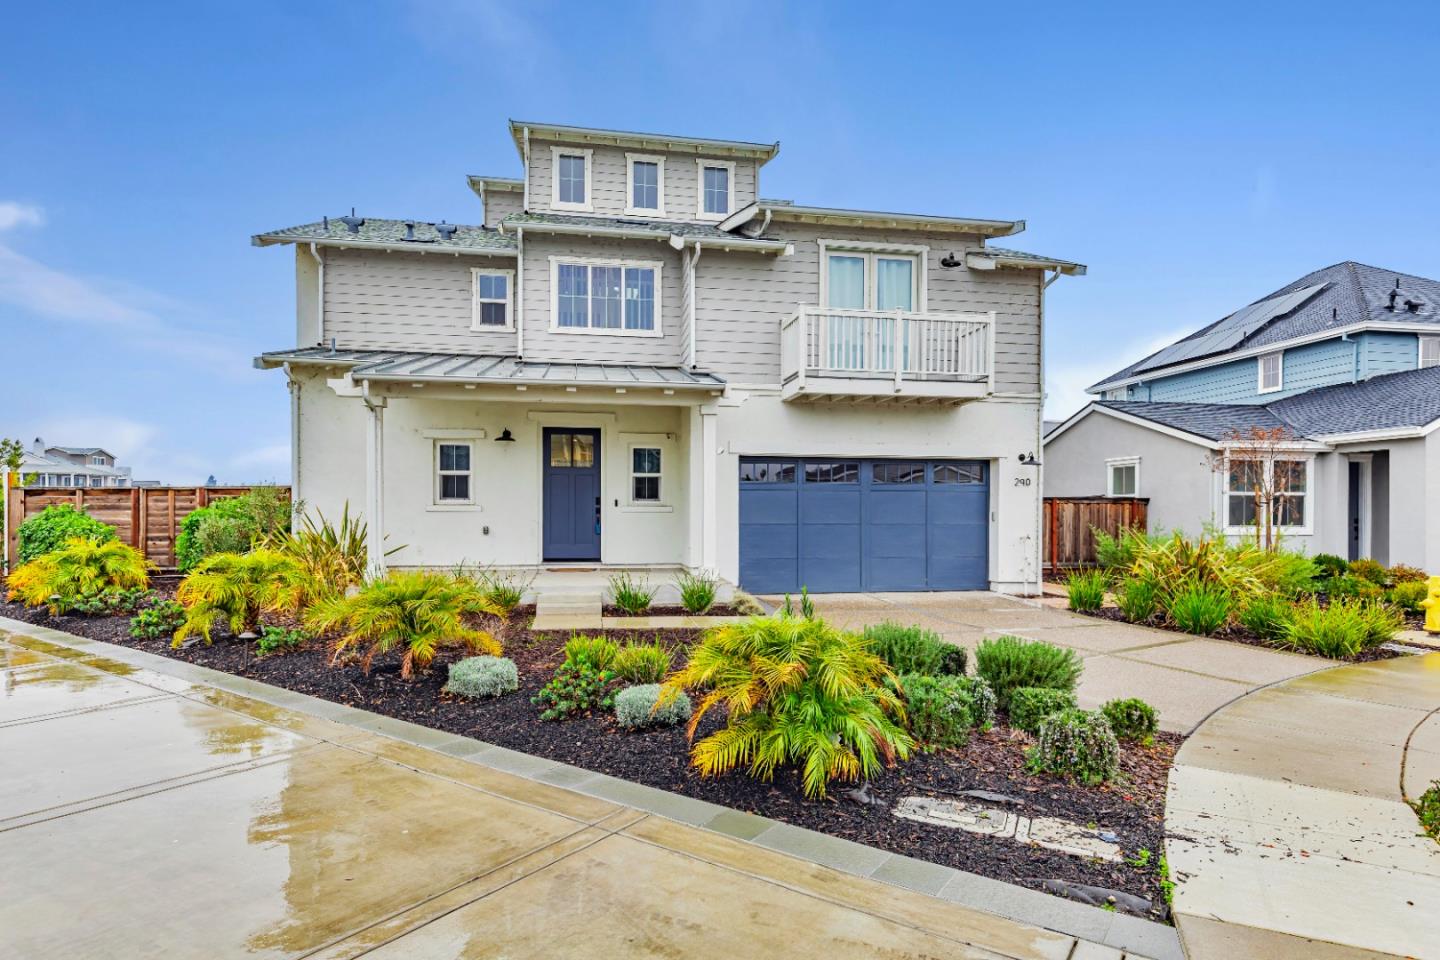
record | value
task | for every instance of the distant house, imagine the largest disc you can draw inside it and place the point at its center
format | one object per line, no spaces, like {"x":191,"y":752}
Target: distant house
{"x":72,"y":467}
{"x":1343,"y":363}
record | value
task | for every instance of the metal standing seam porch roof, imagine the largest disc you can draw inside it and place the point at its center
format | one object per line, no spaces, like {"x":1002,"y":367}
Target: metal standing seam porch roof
{"x":386,"y":365}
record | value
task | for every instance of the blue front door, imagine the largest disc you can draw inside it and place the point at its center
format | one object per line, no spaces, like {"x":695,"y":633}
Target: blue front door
{"x":571,"y":494}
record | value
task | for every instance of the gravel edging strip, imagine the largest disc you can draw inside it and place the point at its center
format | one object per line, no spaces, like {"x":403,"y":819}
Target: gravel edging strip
{"x":1135,"y":935}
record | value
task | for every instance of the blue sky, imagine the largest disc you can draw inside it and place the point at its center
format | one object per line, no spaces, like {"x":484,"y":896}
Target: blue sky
{"x":1194,"y":157}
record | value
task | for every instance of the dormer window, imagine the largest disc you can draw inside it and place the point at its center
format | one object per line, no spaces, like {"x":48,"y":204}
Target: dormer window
{"x":716,"y":187}
{"x":645,"y":185}
{"x":570,"y":179}
{"x":1429,"y":352}
{"x":1272,"y":372}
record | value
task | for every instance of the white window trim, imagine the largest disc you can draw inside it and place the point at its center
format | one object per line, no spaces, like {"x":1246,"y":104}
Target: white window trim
{"x":630,"y":474}
{"x":436,"y":503}
{"x":555,"y":327}
{"x":556,"y":153}
{"x":1260,"y":387}
{"x":1304,"y":530}
{"x":1110,"y":466}
{"x":1420,"y":352}
{"x":920,"y":252}
{"x":475,"y":325}
{"x":700,"y":212}
{"x":630,"y":209}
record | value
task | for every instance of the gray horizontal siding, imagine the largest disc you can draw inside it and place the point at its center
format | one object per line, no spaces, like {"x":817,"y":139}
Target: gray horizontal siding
{"x":608,"y":180}
{"x":499,"y":204}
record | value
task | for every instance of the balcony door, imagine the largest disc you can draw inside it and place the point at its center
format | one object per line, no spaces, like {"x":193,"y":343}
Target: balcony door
{"x":873,"y":283}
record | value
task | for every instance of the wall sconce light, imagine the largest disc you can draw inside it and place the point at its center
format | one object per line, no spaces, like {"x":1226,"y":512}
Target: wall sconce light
{"x":505,"y":436}
{"x":1028,"y":460}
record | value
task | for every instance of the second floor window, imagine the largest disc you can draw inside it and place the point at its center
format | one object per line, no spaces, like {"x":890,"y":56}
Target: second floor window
{"x":608,"y":297}
{"x":715,"y":188}
{"x":1429,"y":352}
{"x":494,"y":299}
{"x":1272,"y":372}
{"x":570,"y":170}
{"x":870,"y":281}
{"x":97,"y":461}
{"x":646,"y":193}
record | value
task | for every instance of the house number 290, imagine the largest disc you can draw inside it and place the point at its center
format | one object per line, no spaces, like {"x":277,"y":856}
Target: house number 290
{"x":1022,"y":481}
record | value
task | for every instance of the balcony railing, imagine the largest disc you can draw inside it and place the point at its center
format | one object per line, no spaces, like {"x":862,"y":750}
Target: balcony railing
{"x":876,"y":353}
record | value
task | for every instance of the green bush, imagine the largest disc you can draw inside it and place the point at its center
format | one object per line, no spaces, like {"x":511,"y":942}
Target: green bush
{"x":640,"y":706}
{"x":1407,"y":595}
{"x":1372,"y":570}
{"x":48,"y":530}
{"x":1131,"y":718}
{"x":1344,"y":629}
{"x":641,"y":663}
{"x":80,"y":570}
{"x":1403,"y":573}
{"x":158,"y":621}
{"x":1268,"y":617}
{"x":697,"y":591}
{"x":597,"y":652}
{"x":1138,"y":598}
{"x":112,"y":602}
{"x":1086,"y":589}
{"x":1200,"y":608}
{"x":576,"y":687}
{"x":982,"y":699}
{"x":914,"y":649}
{"x":1030,"y":705}
{"x":1330,"y":565}
{"x":1427,"y":808}
{"x":276,"y":639}
{"x":1353,"y":588}
{"x":1118,"y":553}
{"x":1076,"y":743}
{"x":483,"y":676}
{"x":941,"y":710}
{"x":505,"y":591}
{"x":631,"y":594}
{"x":233,"y":525}
{"x":1009,"y":663}
{"x":1285,"y":572}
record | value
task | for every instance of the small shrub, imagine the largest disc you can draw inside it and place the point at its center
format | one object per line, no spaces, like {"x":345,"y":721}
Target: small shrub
{"x":1139,"y":599}
{"x":1030,"y":705}
{"x":278,"y":639}
{"x":641,"y":663}
{"x":807,"y":605}
{"x":237,"y":588}
{"x":1200,"y":609}
{"x":940,"y":709}
{"x":953,"y":660}
{"x":1268,"y":617}
{"x":112,"y":602}
{"x":1407,"y":595}
{"x":746,"y":605}
{"x":1371,"y":570}
{"x":640,"y":706}
{"x":331,"y":558}
{"x":914,"y":649}
{"x":596,"y":652}
{"x":504,"y":591}
{"x":1086,"y":589}
{"x":1118,"y":553}
{"x":1131,"y":718}
{"x":631,"y":594}
{"x":697,"y":591}
{"x":1330,"y":565}
{"x":1427,"y":808}
{"x":1285,"y":572}
{"x":483,"y":676}
{"x":1403,"y":573}
{"x":1009,"y":663}
{"x":1381,"y":622}
{"x":78,"y":571}
{"x":158,"y":621}
{"x":576,"y":687}
{"x":1341,"y":630}
{"x":1353,"y":588}
{"x":982,"y":699}
{"x":49,"y":530}
{"x":233,"y":525}
{"x":1076,"y":743}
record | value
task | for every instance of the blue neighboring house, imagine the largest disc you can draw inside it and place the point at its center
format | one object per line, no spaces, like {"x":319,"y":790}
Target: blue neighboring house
{"x":1343,"y":364}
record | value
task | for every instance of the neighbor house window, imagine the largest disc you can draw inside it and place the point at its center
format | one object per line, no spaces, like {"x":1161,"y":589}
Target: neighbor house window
{"x":1272,"y":372}
{"x":716,"y":187}
{"x":1429,"y":352}
{"x":645,"y":474}
{"x":620,"y":297}
{"x":97,"y":481}
{"x":1118,"y":393}
{"x":645,"y":189}
{"x":570,"y":173}
{"x":494,"y":293}
{"x":1124,"y":477}
{"x":453,"y":473}
{"x":97,"y":461}
{"x":1289,"y":484}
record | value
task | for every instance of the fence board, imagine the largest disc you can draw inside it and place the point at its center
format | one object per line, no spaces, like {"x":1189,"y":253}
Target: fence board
{"x":147,"y":518}
{"x":1070,"y":523}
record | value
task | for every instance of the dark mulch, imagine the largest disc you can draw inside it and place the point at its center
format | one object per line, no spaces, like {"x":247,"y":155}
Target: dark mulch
{"x":718,"y":610}
{"x":1237,"y":634}
{"x":1132,"y":809}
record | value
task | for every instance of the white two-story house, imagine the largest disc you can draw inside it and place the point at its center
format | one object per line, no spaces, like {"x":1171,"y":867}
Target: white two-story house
{"x":634,"y":360}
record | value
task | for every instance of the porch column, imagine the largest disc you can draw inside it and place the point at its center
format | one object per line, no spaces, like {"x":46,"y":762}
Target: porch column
{"x":703,"y":547}
{"x":375,"y":485}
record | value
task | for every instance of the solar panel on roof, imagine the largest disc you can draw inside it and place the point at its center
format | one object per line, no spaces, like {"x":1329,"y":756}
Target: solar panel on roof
{"x":1233,"y":329}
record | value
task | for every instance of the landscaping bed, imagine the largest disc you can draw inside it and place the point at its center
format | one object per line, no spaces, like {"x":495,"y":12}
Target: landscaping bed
{"x":1131,"y":806}
{"x":1236,"y":633}
{"x":658,"y":610}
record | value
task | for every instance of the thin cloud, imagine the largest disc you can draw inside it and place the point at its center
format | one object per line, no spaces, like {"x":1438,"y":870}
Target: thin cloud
{"x":1065,"y":382}
{"x":14,"y":214}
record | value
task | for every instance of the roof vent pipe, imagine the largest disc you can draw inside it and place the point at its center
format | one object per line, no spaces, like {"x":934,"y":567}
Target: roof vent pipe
{"x":409,"y":231}
{"x":1393,"y":294}
{"x":352,"y":222}
{"x":446,"y":230}
{"x":1413,"y":306}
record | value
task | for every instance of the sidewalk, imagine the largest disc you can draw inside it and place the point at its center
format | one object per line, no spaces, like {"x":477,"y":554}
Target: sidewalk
{"x":155,"y":808}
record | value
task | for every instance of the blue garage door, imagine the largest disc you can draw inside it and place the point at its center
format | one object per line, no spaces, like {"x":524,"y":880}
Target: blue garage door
{"x":835,"y":525}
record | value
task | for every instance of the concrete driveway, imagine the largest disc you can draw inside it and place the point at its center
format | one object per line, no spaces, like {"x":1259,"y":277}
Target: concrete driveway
{"x":1185,"y":678}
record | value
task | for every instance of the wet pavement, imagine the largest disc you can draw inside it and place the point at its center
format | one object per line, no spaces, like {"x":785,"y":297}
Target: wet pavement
{"x":147,"y":813}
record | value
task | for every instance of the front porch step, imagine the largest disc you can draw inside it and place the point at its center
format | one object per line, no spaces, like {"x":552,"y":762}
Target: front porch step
{"x":568,"y":611}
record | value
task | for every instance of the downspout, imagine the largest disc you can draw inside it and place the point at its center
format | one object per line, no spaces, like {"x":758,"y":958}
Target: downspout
{"x":1040,"y":448}
{"x":520,"y":288}
{"x":765,"y":224}
{"x":295,"y":500}
{"x":319,"y":295}
{"x":694,"y":298}
{"x":525,"y":149}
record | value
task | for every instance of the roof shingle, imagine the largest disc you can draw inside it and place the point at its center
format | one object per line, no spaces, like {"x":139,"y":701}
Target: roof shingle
{"x":392,"y":232}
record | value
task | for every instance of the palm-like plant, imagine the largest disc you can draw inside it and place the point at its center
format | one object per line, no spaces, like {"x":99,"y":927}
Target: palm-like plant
{"x":81,"y":568}
{"x":421,"y":612}
{"x":238,"y":587}
{"x":795,"y":690}
{"x":331,"y":558}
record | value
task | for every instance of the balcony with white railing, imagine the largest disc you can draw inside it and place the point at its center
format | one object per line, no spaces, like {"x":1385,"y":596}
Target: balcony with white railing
{"x":886,"y":355}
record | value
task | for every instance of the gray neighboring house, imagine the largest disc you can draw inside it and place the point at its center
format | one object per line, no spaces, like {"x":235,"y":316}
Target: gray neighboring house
{"x":72,"y":467}
{"x":1345,"y":361}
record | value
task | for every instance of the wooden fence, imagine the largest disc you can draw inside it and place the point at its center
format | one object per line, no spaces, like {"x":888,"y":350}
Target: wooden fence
{"x":147,"y":518}
{"x":1069,"y":522}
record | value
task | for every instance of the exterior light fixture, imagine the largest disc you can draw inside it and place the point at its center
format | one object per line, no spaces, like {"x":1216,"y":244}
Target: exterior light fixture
{"x":505,"y":436}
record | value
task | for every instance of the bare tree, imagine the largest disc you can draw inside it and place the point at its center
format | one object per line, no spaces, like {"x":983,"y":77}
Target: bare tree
{"x":1259,"y":463}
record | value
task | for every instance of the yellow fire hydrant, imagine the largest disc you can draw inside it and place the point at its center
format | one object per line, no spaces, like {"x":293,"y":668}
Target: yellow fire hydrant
{"x":1432,"y":607}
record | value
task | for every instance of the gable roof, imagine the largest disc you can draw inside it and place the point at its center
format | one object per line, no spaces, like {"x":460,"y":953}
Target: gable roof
{"x":1409,"y":400}
{"x":1349,"y":294}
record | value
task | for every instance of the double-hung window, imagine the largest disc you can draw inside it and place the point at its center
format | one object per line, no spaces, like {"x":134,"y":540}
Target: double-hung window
{"x":645,"y":185}
{"x":715,"y":189}
{"x":1429,"y":352}
{"x":494,"y":299}
{"x":1272,"y":371}
{"x":570,"y":179}
{"x":645,"y":475}
{"x":604,"y":296}
{"x":1122,"y":477}
{"x":453,"y":473}
{"x":1285,"y":482}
